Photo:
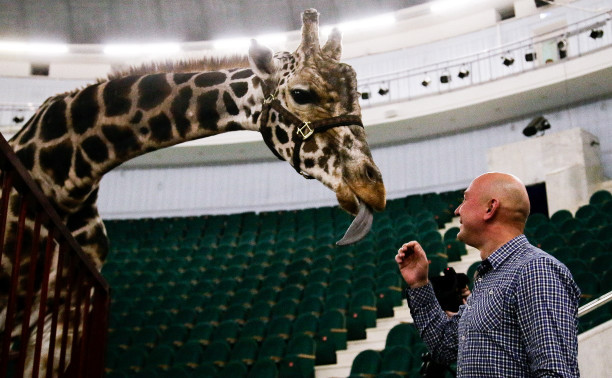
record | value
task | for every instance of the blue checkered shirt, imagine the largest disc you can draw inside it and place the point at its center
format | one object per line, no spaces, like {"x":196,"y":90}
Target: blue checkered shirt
{"x":520,"y":321}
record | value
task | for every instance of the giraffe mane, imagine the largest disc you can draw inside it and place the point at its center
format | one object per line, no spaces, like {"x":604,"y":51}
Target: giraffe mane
{"x":182,"y":66}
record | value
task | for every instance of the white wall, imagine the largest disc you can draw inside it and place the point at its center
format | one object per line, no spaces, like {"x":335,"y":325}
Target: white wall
{"x":432,"y":165}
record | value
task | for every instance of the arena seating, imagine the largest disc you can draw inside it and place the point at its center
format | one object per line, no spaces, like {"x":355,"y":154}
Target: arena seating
{"x":271,"y":295}
{"x":226,"y":294}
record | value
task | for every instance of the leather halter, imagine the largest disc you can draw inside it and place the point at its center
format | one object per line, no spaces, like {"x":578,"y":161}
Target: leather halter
{"x":302,"y":130}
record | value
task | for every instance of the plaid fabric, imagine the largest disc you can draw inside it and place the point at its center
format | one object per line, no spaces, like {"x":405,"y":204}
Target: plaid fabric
{"x":520,"y":321}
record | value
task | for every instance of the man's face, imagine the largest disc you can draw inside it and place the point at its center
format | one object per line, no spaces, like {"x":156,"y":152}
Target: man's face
{"x":470,"y":214}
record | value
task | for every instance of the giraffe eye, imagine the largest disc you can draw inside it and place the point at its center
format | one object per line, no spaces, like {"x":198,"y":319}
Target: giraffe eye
{"x":302,"y":96}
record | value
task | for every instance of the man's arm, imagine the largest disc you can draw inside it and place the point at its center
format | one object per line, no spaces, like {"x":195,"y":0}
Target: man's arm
{"x":437,"y":331}
{"x":547,"y":300}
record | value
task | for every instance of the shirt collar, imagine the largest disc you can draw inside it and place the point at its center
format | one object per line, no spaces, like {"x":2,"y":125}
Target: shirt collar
{"x":503,"y":252}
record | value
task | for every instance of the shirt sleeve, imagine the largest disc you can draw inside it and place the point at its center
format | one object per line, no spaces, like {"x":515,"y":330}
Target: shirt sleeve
{"x":547,"y":308}
{"x":436,"y":329}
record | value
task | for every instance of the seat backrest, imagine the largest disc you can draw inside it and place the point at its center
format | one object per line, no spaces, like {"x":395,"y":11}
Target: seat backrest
{"x":403,"y":334}
{"x":367,"y":362}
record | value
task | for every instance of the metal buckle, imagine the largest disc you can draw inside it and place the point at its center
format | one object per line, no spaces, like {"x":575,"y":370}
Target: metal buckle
{"x":269,"y":99}
{"x":306,"y":134}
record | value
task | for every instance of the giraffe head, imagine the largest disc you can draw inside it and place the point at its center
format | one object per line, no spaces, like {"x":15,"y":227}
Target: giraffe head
{"x":313,"y":85}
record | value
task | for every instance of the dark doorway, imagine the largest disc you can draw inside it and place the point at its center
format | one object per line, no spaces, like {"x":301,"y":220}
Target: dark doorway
{"x":537,"y":197}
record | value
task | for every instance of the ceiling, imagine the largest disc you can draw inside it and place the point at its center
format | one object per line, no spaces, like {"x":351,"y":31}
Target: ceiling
{"x":104,"y":21}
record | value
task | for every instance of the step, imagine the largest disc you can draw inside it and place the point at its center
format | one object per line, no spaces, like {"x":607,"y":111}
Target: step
{"x":375,"y":340}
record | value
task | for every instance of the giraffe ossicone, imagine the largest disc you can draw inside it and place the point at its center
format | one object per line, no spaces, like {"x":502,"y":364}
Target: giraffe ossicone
{"x":75,"y":138}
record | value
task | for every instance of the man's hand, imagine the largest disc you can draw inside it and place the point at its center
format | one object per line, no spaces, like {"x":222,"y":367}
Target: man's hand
{"x":413,"y":264}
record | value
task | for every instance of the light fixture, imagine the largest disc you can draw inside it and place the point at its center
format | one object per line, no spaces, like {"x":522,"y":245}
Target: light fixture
{"x":34,"y":48}
{"x":445,"y":78}
{"x":375,"y":22}
{"x":383,"y":91}
{"x":18,"y":119}
{"x":596,"y":33}
{"x":426,"y":81}
{"x":142,"y":49}
{"x":242,"y":44}
{"x":507,"y":60}
{"x":530,"y":56}
{"x":365,"y":95}
{"x":537,"y":125}
{"x":463,"y":73}
{"x":447,"y":6}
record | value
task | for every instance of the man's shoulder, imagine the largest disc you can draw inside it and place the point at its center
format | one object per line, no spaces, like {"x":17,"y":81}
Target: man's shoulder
{"x":535,"y":259}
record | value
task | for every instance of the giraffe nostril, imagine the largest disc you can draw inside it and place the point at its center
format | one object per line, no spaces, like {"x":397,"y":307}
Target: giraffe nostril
{"x":372,"y":173}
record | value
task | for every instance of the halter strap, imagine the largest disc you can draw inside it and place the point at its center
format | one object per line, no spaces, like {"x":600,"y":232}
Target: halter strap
{"x":302,"y":130}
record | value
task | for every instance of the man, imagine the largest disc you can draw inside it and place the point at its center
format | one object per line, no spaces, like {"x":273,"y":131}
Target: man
{"x":521,"y":319}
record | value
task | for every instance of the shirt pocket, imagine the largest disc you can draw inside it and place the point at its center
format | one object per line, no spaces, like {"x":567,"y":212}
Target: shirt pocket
{"x":487,"y":310}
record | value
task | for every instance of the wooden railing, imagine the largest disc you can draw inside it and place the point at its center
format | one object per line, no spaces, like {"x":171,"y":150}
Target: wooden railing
{"x":54,"y":291}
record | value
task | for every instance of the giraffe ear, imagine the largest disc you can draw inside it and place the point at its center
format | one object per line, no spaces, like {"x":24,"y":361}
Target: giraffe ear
{"x":262,"y":60}
{"x":333,"y":46}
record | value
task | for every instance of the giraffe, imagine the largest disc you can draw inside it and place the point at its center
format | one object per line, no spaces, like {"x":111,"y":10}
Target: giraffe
{"x":304,"y":104}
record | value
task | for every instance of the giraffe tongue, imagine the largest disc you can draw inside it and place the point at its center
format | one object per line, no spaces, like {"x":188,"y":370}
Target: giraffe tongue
{"x":360,"y":227}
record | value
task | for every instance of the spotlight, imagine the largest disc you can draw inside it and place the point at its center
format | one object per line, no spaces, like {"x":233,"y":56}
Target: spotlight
{"x":463,"y":73}
{"x":383,"y":91}
{"x":18,"y":119}
{"x":539,"y":124}
{"x":508,"y":60}
{"x":445,"y":78}
{"x":426,"y":81}
{"x":365,"y":95}
{"x":530,"y":57}
{"x":562,"y":47}
{"x":596,"y":33}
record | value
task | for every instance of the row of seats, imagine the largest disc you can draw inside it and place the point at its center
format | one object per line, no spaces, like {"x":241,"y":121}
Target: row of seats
{"x":279,"y":268}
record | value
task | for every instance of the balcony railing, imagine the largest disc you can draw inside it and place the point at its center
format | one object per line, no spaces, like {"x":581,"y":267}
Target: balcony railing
{"x":570,"y":42}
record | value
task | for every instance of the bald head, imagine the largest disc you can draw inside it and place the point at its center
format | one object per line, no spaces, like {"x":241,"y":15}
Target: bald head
{"x":511,"y":194}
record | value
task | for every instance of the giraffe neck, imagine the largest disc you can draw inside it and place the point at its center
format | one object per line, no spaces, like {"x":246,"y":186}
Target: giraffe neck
{"x":74,"y":139}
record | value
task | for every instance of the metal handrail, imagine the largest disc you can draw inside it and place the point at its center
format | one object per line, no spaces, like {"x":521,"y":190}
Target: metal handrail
{"x":595,"y":304}
{"x":60,"y":283}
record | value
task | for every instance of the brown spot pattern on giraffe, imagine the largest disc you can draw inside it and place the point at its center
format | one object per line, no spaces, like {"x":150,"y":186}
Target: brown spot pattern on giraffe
{"x":178,"y":109}
{"x":207,"y":113}
{"x":153,"y":90}
{"x":116,"y":96}
{"x":84,"y":109}
{"x":57,"y":160}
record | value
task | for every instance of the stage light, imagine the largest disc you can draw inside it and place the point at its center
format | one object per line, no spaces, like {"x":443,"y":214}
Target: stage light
{"x":507,"y":60}
{"x":445,"y":78}
{"x":18,"y":119}
{"x":426,"y":81}
{"x":383,"y":91}
{"x":365,"y":95}
{"x":463,"y":73}
{"x":537,"y":125}
{"x":596,"y":33}
{"x":562,"y":48}
{"x":530,"y":56}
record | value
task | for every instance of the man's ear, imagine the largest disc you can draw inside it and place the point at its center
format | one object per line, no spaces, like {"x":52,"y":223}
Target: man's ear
{"x":261,"y":59}
{"x":492,"y":207}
